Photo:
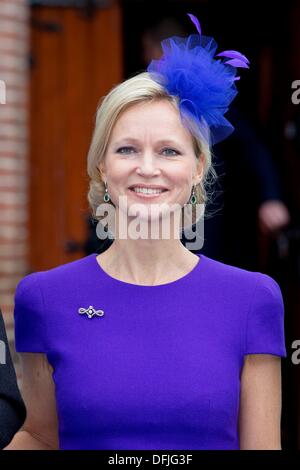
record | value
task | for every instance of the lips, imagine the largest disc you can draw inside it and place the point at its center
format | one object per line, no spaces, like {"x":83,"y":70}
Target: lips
{"x":147,"y":195}
{"x":147,"y":187}
{"x":160,"y":191}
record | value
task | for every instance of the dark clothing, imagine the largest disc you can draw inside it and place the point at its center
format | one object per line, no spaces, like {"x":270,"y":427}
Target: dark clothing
{"x":12,"y":407}
{"x":248,"y":177}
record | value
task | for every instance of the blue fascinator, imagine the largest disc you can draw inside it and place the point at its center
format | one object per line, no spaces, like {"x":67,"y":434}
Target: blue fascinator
{"x":204,"y":85}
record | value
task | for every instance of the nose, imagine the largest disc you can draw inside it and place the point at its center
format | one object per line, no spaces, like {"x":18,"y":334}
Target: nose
{"x":147,"y":164}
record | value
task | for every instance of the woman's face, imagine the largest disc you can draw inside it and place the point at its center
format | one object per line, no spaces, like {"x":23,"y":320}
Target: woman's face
{"x":149,"y":146}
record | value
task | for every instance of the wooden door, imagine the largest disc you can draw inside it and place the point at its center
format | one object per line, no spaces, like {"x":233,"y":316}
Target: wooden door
{"x":75,"y":60}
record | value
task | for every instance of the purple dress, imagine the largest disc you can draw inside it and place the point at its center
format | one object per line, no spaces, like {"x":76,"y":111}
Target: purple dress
{"x":148,"y":367}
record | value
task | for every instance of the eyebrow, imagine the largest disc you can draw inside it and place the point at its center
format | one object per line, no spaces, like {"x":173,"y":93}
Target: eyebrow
{"x":136,"y":141}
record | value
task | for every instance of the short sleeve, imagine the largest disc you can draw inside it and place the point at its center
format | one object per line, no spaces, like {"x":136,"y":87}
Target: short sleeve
{"x":29,"y":324}
{"x":265,"y":320}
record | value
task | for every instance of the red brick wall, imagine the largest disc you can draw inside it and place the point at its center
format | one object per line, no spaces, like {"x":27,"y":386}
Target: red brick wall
{"x":14,"y":171}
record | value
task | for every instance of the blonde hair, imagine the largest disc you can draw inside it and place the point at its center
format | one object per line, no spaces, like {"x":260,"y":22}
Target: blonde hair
{"x":137,"y":89}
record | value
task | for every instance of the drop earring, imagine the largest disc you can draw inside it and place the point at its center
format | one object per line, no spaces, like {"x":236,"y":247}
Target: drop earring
{"x":106,"y":197}
{"x":193,"y":198}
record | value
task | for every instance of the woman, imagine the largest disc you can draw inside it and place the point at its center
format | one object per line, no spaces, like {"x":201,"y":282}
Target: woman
{"x":147,"y":345}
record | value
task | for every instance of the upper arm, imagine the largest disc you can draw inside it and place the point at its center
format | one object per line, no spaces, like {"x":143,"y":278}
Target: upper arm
{"x":38,"y":391}
{"x":260,"y":403}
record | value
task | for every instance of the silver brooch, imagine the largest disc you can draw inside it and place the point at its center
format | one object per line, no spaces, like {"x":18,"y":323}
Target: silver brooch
{"x":91,"y":311}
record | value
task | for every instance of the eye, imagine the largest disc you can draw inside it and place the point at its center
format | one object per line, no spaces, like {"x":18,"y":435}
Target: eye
{"x":127,"y":149}
{"x":124,"y":148}
{"x":172,"y":150}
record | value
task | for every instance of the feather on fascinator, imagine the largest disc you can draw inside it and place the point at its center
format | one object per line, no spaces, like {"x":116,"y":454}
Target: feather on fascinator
{"x":204,"y":85}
